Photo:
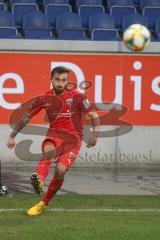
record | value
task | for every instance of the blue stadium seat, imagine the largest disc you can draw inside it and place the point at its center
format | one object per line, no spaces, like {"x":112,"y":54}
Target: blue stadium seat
{"x":22,"y":1}
{"x":8,"y":32}
{"x":118,"y":12}
{"x":52,"y":10}
{"x":111,"y":3}
{"x":45,"y":2}
{"x":157,"y":28}
{"x":101,"y":20}
{"x":149,"y":3}
{"x":7,"y":25}
{"x":20,"y":9}
{"x":102,"y":27}
{"x":35,"y":20}
{"x":36,"y":25}
{"x":39,"y":34}
{"x":88,"y":2}
{"x":69,"y":27}
{"x":105,"y":35}
{"x":132,"y":19}
{"x":87,"y":10}
{"x":7,"y":19}
{"x":151,"y":13}
{"x":2,"y":6}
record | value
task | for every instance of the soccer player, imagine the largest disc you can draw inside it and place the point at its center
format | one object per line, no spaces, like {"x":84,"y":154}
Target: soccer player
{"x":65,"y":109}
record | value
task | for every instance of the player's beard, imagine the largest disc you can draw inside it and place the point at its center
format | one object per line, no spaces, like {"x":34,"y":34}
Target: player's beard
{"x":58,"y":90}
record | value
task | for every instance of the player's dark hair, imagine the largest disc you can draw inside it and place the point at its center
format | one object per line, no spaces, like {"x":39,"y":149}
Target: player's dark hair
{"x":59,"y":70}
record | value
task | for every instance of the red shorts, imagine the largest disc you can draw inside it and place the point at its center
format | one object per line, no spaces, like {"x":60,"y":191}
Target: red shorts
{"x":67,"y":145}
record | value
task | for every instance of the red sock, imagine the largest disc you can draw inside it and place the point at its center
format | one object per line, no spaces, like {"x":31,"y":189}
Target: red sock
{"x":43,"y":168}
{"x":54,"y":186}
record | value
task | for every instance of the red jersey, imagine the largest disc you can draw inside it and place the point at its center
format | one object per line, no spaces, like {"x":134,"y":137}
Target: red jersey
{"x":63,"y":111}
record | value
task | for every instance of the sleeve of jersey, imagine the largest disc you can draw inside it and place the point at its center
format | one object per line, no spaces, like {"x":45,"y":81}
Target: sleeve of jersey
{"x":35,"y":106}
{"x":85,"y":104}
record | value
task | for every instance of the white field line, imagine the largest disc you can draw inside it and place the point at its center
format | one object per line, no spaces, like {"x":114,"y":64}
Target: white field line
{"x":143,"y":210}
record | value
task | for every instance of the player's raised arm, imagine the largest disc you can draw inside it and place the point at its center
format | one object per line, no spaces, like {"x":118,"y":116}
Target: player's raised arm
{"x":35,"y":107}
{"x":96,"y":125}
{"x":22,"y":123}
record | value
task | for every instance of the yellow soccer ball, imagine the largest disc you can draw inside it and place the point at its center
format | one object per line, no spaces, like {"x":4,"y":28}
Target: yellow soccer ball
{"x":136,"y":37}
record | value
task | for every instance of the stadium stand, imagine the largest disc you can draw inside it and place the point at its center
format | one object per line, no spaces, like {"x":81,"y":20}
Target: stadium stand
{"x":56,"y":2}
{"x":2,"y":6}
{"x":12,"y":2}
{"x":86,"y":8}
{"x":36,"y":26}
{"x":119,"y":11}
{"x":133,"y":18}
{"x":71,"y":28}
{"x":102,"y":27}
{"x":116,"y":3}
{"x":52,"y":10}
{"x":157,"y":29}
{"x":20,"y":9}
{"x":122,"y":13}
{"x":148,"y":3}
{"x":7,"y":25}
{"x":151,"y":13}
{"x":88,"y":2}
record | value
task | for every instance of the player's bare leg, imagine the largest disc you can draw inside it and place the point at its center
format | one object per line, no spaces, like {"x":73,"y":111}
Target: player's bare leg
{"x":53,"y":188}
{"x":37,"y":179}
{"x":63,"y":164}
{"x":55,"y":183}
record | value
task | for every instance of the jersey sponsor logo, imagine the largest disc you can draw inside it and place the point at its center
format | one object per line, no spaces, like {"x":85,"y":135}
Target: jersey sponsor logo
{"x":86,"y":103}
{"x":69,"y":102}
{"x":63,"y":114}
{"x":47,"y":105}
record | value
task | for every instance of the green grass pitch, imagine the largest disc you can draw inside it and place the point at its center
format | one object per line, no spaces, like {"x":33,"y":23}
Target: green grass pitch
{"x":82,"y":217}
